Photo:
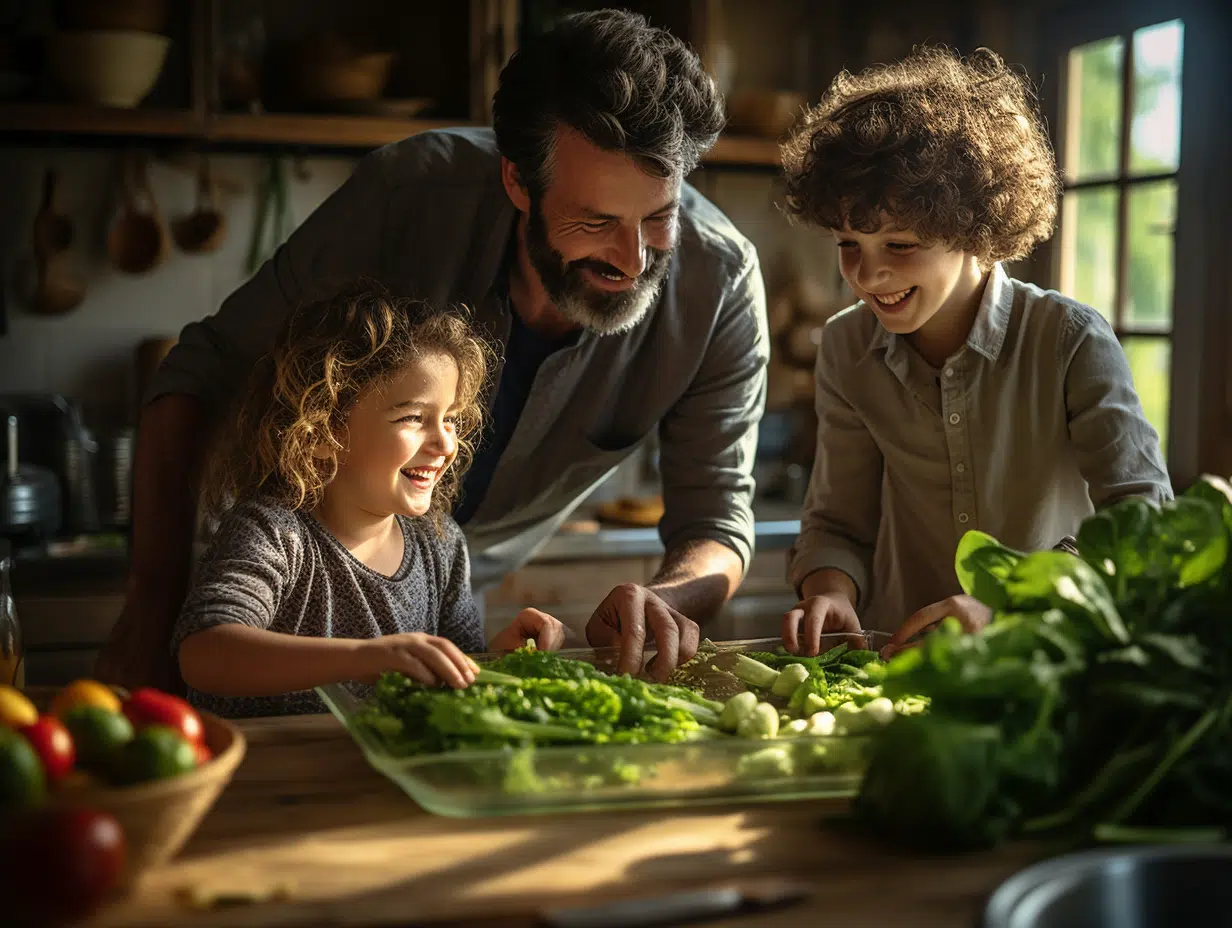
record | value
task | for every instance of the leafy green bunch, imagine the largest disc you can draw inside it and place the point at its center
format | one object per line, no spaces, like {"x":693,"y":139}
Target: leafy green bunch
{"x":1096,"y":705}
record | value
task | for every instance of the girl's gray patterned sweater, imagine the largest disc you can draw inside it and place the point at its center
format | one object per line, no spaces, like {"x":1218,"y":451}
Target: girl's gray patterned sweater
{"x":272,"y":568}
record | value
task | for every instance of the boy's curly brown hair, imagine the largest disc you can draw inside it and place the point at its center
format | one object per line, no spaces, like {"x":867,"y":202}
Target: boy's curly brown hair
{"x":327,"y":356}
{"x":952,"y":149}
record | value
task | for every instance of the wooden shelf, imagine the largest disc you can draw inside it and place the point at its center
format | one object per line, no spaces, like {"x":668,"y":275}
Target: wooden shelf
{"x":266,"y":129}
{"x":318,"y":131}
{"x":74,"y":119}
{"x":744,"y":151}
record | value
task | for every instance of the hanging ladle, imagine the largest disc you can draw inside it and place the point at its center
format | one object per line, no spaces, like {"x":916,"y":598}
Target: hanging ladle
{"x":201,"y":231}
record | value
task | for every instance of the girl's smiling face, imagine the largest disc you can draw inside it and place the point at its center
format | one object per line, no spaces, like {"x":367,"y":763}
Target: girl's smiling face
{"x":400,"y":438}
{"x":918,"y":289}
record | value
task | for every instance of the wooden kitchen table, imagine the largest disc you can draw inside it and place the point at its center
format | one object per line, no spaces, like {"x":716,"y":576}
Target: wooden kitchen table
{"x":305,"y":810}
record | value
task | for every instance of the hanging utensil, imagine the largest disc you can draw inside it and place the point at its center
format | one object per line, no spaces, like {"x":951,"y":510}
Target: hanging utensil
{"x":201,"y":231}
{"x":56,"y":291}
{"x":137,"y":240}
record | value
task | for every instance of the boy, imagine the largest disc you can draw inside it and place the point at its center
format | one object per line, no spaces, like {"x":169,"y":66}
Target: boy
{"x":951,"y":397}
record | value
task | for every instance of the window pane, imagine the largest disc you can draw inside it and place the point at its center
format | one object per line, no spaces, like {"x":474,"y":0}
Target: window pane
{"x":1093,"y":110}
{"x":1152,"y":216}
{"x":1088,"y":248}
{"x":1155,"y":136}
{"x":1150,"y":362}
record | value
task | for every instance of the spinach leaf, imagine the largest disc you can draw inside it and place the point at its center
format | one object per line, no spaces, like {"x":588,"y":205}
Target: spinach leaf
{"x":1058,"y":580}
{"x":982,"y":564}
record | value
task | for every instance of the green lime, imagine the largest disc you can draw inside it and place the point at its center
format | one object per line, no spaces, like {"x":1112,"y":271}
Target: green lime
{"x":156,"y":752}
{"x":22,"y":782}
{"x":98,"y":735}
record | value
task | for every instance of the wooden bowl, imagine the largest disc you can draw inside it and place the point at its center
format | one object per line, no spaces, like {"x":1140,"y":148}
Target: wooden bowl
{"x":160,"y":816}
{"x":343,"y":80}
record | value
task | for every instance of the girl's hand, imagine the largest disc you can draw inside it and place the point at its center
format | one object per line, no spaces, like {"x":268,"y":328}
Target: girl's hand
{"x":431,"y":660}
{"x":816,"y":616}
{"x":969,"y":611}
{"x":548,"y":632}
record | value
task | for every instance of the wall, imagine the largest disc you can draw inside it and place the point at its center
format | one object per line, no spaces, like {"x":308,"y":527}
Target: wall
{"x":88,"y":354}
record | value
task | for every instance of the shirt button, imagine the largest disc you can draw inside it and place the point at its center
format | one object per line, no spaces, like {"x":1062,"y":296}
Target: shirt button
{"x":963,"y":518}
{"x":949,"y":372}
{"x":955,"y":418}
{"x":961,"y":467}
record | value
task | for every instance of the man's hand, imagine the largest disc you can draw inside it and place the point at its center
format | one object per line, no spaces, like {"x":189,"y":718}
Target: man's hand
{"x":969,"y":611}
{"x":631,"y":616}
{"x":136,"y":653}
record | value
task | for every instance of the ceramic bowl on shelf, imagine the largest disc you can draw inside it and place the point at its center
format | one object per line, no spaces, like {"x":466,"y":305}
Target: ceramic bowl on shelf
{"x":108,"y":67}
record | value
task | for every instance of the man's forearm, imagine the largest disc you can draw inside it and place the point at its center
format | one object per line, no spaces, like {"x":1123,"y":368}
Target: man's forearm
{"x":698,"y":577}
{"x":171,"y":443}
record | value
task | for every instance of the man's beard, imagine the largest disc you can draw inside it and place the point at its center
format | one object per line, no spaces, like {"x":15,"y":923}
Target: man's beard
{"x":602,"y":311}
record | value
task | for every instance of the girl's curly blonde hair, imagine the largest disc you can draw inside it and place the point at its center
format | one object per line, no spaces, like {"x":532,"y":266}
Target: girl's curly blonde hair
{"x":286,"y":436}
{"x":952,"y":148}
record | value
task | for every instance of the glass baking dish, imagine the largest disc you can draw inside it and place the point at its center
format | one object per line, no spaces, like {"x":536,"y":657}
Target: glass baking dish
{"x":524,"y":781}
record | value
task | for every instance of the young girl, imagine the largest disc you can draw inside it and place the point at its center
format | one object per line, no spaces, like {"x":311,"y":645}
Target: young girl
{"x":338,"y":559}
{"x":951,"y":397}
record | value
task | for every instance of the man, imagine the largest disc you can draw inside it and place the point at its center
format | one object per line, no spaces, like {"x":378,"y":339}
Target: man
{"x":623,"y":300}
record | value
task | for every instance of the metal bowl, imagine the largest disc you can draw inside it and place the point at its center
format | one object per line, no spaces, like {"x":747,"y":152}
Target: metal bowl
{"x":1139,"y":887}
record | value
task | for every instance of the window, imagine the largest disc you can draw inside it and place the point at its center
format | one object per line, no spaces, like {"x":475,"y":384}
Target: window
{"x":1120,"y":157}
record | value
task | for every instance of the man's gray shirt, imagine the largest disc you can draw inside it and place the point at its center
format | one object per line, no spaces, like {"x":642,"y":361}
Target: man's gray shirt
{"x":429,"y":219}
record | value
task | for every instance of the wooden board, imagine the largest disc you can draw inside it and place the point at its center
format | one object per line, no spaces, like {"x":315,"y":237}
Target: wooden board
{"x":305,"y":809}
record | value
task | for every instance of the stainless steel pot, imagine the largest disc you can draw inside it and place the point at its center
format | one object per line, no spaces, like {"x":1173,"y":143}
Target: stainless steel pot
{"x":30,"y":498}
{"x":1128,"y":887}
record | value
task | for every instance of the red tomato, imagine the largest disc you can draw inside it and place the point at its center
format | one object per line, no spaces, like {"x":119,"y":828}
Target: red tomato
{"x":204,"y":755}
{"x":53,"y":744}
{"x":149,"y":706}
{"x":60,"y":864}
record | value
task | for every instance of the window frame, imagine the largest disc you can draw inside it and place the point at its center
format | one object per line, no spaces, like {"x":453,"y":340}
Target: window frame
{"x":1200,"y":396}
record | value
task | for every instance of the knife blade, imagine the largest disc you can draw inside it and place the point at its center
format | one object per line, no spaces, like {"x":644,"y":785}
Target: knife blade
{"x":675,"y":908}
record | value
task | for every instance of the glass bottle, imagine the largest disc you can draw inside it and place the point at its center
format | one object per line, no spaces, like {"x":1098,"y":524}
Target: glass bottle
{"x":12,"y":664}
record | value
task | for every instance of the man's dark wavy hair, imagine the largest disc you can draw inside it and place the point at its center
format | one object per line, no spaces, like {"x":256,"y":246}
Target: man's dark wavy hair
{"x":623,"y":84}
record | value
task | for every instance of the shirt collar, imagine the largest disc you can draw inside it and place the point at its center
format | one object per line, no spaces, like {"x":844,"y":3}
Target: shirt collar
{"x":993,"y":318}
{"x":987,"y":333}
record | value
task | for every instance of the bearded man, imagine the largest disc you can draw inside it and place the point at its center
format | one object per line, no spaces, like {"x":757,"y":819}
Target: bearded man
{"x":620,"y":301}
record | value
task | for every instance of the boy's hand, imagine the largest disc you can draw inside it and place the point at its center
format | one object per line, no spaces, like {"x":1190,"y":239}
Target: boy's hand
{"x":548,"y":632}
{"x":969,"y":611}
{"x":431,"y":660}
{"x":815,"y":616}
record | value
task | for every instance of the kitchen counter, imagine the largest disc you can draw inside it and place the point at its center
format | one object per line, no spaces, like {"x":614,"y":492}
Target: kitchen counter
{"x":305,"y":810}
{"x":103,"y":571}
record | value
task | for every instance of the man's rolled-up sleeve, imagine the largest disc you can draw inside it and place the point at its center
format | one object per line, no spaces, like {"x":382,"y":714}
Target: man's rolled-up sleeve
{"x":842,"y":509}
{"x":709,"y":437}
{"x":339,"y":242}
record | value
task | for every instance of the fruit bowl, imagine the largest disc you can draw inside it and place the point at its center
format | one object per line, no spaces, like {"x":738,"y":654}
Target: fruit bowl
{"x":160,"y":816}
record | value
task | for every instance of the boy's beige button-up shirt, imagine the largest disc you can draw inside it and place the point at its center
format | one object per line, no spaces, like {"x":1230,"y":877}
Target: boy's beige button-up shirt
{"x":1023,"y":432}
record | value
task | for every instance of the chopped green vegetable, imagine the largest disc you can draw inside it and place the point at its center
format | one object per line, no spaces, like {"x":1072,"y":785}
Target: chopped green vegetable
{"x":788,"y":679}
{"x":754,"y":672}
{"x":762,"y":722}
{"x":737,"y":709}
